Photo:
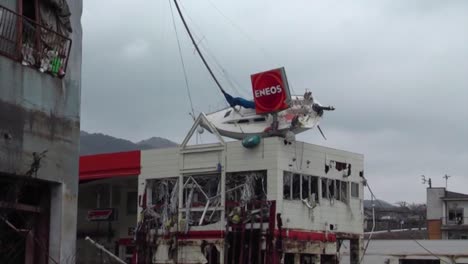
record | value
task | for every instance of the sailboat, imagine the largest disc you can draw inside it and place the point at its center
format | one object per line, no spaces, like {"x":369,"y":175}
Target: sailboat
{"x":241,"y":119}
{"x":239,"y":122}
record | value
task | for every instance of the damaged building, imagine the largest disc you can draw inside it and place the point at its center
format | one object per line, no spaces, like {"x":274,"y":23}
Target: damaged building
{"x":280,"y":202}
{"x":40,"y":75}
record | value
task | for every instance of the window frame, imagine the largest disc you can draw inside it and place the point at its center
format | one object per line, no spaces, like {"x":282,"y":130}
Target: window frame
{"x":288,"y":186}
{"x":357,"y":185}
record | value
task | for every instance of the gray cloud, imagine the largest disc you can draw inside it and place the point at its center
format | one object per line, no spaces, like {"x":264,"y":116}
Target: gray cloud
{"x":397,"y":71}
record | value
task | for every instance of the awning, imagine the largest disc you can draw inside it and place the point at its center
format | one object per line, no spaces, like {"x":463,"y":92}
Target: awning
{"x":110,"y":165}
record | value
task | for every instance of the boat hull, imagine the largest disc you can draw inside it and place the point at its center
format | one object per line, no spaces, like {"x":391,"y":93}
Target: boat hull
{"x":240,"y":123}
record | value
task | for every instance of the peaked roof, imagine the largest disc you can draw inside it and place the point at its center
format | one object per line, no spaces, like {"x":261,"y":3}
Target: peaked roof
{"x":454,"y":195}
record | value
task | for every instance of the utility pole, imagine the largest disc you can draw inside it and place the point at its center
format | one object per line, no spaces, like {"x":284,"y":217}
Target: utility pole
{"x":446,"y":177}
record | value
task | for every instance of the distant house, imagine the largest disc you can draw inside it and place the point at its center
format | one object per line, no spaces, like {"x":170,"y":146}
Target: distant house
{"x":446,"y":217}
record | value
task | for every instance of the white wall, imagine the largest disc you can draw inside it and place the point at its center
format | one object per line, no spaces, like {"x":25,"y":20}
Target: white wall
{"x":435,"y":205}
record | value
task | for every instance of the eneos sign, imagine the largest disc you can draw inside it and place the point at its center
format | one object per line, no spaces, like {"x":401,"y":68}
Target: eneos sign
{"x":271,"y":91}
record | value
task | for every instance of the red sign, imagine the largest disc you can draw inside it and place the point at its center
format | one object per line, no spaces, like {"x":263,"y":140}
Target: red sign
{"x":101,"y":214}
{"x":271,"y":91}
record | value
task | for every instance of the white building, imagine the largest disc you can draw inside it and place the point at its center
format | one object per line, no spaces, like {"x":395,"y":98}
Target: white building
{"x":446,"y":217}
{"x":218,"y":203}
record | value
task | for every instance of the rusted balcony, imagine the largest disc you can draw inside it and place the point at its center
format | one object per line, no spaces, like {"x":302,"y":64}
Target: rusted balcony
{"x":32,"y":44}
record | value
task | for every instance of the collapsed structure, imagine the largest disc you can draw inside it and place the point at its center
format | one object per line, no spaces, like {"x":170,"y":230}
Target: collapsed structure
{"x":280,"y":202}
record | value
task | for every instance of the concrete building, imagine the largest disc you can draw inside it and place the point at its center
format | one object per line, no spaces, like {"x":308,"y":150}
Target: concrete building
{"x":280,"y":202}
{"x":40,"y":81}
{"x":107,"y":205}
{"x":446,"y":217}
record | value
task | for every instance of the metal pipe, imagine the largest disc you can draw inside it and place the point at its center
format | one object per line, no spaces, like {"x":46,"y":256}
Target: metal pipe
{"x":103,"y":249}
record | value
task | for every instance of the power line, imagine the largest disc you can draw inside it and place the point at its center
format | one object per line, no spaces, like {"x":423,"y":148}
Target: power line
{"x":430,"y":252}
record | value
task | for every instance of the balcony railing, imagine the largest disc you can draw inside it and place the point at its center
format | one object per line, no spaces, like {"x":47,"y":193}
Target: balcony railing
{"x":32,"y":44}
{"x":455,"y":220}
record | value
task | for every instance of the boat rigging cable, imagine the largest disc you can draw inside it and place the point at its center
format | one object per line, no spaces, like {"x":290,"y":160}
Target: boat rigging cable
{"x":197,"y":48}
{"x":182,"y":62}
{"x":233,"y":101}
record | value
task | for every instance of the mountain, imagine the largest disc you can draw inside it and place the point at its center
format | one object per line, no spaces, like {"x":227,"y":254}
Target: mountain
{"x":156,"y":142}
{"x":95,"y":143}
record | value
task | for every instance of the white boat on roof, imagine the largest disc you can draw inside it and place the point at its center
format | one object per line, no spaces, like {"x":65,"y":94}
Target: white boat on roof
{"x":241,"y":119}
{"x":239,"y":122}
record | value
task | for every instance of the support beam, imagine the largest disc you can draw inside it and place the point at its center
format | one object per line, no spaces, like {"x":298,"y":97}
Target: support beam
{"x":355,"y":250}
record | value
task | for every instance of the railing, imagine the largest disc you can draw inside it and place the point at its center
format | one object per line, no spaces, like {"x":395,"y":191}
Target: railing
{"x":32,"y":44}
{"x":455,"y":220}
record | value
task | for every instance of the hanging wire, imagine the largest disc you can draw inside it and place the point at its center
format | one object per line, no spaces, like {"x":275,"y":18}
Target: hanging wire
{"x":182,"y":61}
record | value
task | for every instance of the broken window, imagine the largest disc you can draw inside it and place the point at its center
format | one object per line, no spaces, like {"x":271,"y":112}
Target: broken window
{"x":246,"y":186}
{"x":201,"y":196}
{"x":314,"y":188}
{"x":164,"y":201}
{"x":198,"y":189}
{"x":162,"y":190}
{"x":355,"y":190}
{"x":296,"y":186}
{"x":344,"y":192}
{"x":305,"y":187}
{"x":324,"y":187}
{"x":287,"y":178}
{"x":331,"y":189}
{"x":338,"y":188}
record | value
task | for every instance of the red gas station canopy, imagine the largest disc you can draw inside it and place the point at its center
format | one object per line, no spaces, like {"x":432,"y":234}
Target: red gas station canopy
{"x":110,"y":165}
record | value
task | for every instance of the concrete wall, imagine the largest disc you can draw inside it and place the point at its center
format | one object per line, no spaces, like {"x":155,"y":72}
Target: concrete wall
{"x":435,"y":204}
{"x":39,"y":112}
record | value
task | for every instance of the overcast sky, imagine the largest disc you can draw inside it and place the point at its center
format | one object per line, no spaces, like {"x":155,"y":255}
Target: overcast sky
{"x":396,"y":71}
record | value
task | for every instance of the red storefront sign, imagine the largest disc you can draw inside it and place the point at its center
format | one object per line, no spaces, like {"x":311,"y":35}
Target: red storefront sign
{"x":271,"y":91}
{"x":107,"y":214}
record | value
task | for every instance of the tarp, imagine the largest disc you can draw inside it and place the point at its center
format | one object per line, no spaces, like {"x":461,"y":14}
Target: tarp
{"x":234,"y":101}
{"x":55,"y":15}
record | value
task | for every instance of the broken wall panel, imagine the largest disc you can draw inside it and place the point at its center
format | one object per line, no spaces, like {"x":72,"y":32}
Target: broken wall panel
{"x":246,"y":185}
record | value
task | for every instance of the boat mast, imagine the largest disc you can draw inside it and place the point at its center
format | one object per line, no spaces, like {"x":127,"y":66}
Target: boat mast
{"x":197,"y":49}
